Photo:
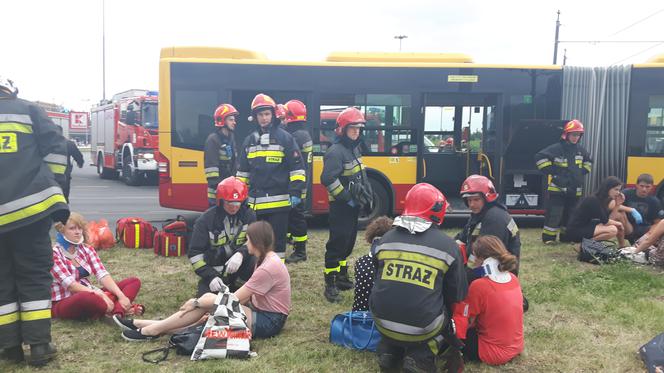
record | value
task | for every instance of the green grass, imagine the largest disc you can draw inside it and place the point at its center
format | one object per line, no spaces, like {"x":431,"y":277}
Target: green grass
{"x":583,"y":318}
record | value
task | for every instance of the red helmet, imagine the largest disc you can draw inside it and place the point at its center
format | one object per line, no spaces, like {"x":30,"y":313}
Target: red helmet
{"x":280,"y":112}
{"x":263,"y":101}
{"x":232,"y":189}
{"x":223,"y":111}
{"x":352,"y":117}
{"x":295,"y":111}
{"x":573,"y":125}
{"x":478,"y":184}
{"x":425,"y":201}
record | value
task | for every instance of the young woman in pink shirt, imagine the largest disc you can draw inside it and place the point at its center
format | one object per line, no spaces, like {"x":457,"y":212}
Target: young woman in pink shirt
{"x":265,"y":298}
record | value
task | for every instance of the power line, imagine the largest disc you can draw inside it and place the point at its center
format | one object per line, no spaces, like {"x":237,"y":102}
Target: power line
{"x":637,"y":22}
{"x":636,"y":54}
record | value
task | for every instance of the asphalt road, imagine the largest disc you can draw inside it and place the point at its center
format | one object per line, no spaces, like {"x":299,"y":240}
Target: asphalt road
{"x":96,"y":199}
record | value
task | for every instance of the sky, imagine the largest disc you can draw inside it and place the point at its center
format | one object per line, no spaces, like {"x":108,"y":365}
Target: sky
{"x":53,"y":49}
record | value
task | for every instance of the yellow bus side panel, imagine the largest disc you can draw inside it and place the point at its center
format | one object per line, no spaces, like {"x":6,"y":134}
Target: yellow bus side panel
{"x":645,"y":165}
{"x":399,"y":170}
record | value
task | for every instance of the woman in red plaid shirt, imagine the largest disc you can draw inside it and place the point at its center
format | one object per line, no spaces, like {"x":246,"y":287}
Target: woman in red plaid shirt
{"x":73,"y":296}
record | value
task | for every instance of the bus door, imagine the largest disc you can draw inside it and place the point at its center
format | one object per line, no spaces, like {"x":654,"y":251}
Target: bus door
{"x":459,"y":138}
{"x":241,"y":100}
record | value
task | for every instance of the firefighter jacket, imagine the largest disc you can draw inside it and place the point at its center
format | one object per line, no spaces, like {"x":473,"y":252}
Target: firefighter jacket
{"x":303,"y":140}
{"x":271,"y":164}
{"x":216,"y":237}
{"x":73,"y":152}
{"x":494,"y":220}
{"x":419,"y":276}
{"x":33,"y":160}
{"x":344,"y":174}
{"x":219,"y":159}
{"x":566,"y":163}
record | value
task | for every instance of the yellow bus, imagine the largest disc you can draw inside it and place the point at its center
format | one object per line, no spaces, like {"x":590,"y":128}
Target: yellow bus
{"x":433,"y":118}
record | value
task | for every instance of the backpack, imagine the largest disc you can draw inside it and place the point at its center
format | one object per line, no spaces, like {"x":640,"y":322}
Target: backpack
{"x":596,"y":252}
{"x":135,"y":233}
{"x":652,"y":354}
{"x":171,"y":240}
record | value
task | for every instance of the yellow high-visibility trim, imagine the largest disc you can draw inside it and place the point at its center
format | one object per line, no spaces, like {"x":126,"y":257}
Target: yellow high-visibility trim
{"x":587,"y":167}
{"x":342,"y":263}
{"x":407,"y":337}
{"x":544,"y":164}
{"x":243,"y":179}
{"x":265,"y":153}
{"x":298,"y":177}
{"x":35,"y":315}
{"x":413,"y":257}
{"x":32,"y":210}
{"x":212,"y":174}
{"x":137,"y":235}
{"x":15,"y":127}
{"x":300,"y":238}
{"x":336,"y":191}
{"x":199,"y":264}
{"x":269,"y":205}
{"x":212,"y":195}
{"x":329,"y":270}
{"x":57,"y":168}
{"x":352,"y":171}
{"x":9,"y":318}
{"x":554,"y":188}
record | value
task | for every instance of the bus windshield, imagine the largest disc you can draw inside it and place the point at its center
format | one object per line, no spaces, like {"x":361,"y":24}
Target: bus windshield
{"x":150,"y":115}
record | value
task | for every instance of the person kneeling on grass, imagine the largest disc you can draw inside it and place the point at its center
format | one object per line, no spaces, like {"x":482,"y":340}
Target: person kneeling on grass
{"x":265,"y":298}
{"x":364,"y":267}
{"x":599,"y":216}
{"x":494,"y":301}
{"x":649,"y":248}
{"x":72,"y":294}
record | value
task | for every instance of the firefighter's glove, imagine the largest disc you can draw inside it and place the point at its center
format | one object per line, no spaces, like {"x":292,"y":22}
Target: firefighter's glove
{"x":351,"y":203}
{"x":233,"y":264}
{"x":216,"y":285}
{"x":294,"y":201}
{"x":638,"y":219}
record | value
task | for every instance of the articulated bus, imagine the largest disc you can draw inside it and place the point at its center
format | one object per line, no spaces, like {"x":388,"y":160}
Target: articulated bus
{"x":433,"y":118}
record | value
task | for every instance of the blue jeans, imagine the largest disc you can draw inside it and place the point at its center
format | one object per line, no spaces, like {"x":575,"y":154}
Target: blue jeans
{"x":267,"y":324}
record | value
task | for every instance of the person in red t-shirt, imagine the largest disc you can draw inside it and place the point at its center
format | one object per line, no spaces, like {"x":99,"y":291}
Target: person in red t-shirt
{"x":265,"y":298}
{"x":495,"y":308}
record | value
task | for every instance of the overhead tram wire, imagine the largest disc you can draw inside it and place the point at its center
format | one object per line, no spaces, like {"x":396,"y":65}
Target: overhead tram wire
{"x":637,"y":22}
{"x":636,"y":54}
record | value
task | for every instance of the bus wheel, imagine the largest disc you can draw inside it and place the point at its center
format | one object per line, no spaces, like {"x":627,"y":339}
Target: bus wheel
{"x":105,"y":173}
{"x":130,"y":177}
{"x":380,"y":205}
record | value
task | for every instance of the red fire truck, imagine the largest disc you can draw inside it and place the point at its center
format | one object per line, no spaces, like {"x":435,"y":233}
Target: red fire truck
{"x":125,"y":136}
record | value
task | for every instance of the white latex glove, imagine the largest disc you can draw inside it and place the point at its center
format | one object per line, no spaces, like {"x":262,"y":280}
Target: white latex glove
{"x":233,"y":264}
{"x":216,"y":285}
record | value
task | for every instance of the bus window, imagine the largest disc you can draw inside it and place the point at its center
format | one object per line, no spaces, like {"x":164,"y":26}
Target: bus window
{"x":655,"y":127}
{"x":192,"y":117}
{"x":438,"y":127}
{"x":472,"y":118}
{"x":149,"y":117}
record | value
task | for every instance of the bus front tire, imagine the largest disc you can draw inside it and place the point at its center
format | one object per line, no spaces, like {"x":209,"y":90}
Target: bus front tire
{"x":380,"y":204}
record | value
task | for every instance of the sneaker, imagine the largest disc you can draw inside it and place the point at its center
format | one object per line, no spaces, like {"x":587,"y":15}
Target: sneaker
{"x":124,"y":324}
{"x":137,"y":336}
{"x":639,"y":258}
{"x":628,"y":250}
{"x":552,"y":242}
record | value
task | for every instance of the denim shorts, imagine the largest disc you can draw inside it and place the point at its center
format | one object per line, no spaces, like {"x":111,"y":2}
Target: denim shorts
{"x":267,"y":324}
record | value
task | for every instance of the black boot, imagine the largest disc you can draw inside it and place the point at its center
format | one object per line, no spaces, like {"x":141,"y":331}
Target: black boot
{"x":343,"y":282}
{"x":13,"y":354}
{"x":299,"y":255}
{"x":331,"y":292}
{"x":41,"y":354}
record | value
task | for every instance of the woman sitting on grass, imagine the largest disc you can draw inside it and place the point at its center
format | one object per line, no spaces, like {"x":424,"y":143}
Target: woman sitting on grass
{"x":265,"y":298}
{"x":650,"y":247}
{"x":601,"y":216}
{"x":495,"y":312}
{"x":364,"y":267}
{"x":72,"y":294}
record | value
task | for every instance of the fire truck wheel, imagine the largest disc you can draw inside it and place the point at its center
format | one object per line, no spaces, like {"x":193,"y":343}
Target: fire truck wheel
{"x":130,"y":178}
{"x":105,"y":173}
{"x":380,"y":204}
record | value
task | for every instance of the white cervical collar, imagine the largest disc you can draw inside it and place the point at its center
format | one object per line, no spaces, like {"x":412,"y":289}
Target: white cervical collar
{"x":412,"y":223}
{"x":491,"y":271}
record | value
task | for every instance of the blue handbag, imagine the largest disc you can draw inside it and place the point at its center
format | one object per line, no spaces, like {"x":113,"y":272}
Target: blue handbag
{"x":354,"y":330}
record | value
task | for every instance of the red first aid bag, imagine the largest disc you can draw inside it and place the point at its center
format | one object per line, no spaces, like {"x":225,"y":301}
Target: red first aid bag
{"x":135,"y":233}
{"x":171,"y":240}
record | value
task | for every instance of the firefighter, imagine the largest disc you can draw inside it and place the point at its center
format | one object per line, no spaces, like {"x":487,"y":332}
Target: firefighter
{"x":420,"y":285}
{"x":220,"y":152}
{"x":565,"y":163}
{"x":33,"y":159}
{"x":348,"y":191}
{"x":217,"y":250}
{"x":72,"y":152}
{"x":271,"y":165}
{"x":487,"y":217}
{"x":296,"y":121}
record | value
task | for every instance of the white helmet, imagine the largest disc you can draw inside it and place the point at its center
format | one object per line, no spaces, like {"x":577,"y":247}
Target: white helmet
{"x":8,"y":85}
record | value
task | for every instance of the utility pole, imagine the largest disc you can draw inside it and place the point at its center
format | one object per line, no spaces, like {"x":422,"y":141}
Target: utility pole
{"x":400,"y":37}
{"x":103,"y":49}
{"x":564,"y":56}
{"x":555,"y":44}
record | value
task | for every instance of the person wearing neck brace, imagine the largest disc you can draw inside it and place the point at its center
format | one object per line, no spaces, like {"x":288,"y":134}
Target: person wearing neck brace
{"x":420,"y":279}
{"x":270,"y":163}
{"x":72,"y":294}
{"x":495,"y":307}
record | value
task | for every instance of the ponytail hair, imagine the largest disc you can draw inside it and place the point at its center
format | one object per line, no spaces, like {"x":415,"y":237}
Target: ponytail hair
{"x":492,"y":247}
